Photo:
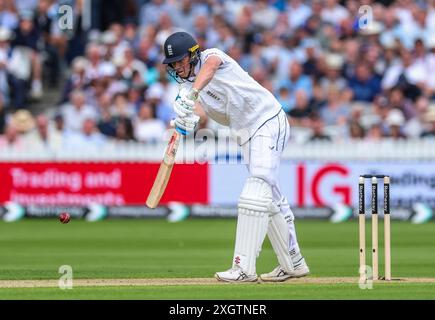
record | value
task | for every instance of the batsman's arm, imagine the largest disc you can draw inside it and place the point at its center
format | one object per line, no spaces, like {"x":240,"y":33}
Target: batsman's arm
{"x":206,"y":73}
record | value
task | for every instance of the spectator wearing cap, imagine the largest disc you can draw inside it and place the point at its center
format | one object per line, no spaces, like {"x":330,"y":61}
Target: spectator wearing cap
{"x":76,"y":111}
{"x":27,"y":36}
{"x":147,"y":128}
{"x":395,"y":121}
{"x":333,"y":77}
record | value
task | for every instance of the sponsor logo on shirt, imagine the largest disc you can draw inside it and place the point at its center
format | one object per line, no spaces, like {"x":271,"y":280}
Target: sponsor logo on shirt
{"x":213,"y":95}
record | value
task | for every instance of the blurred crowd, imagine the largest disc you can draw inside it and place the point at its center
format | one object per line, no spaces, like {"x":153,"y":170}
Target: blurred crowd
{"x":342,"y":70}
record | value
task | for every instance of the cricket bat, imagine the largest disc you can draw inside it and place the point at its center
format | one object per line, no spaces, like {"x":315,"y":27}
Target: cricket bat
{"x":164,"y":172}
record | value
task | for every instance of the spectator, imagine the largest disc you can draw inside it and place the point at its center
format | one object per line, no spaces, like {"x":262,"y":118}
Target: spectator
{"x":2,"y":115}
{"x":408,"y":75}
{"x":8,"y":17}
{"x":430,"y":121}
{"x":76,"y":111}
{"x":299,"y":115}
{"x":318,"y":129}
{"x":23,"y":121}
{"x":333,"y":12}
{"x":150,"y":12}
{"x":44,"y":136}
{"x":285,"y":99}
{"x":414,"y":126}
{"x":11,"y":139}
{"x":397,"y":99}
{"x":146,"y":127}
{"x":365,"y":85}
{"x":87,"y":138}
{"x":264,"y":16}
{"x":336,"y":110}
{"x":77,"y":80}
{"x":5,"y":51}
{"x":53,"y":42}
{"x":356,"y":131}
{"x":375,"y":133}
{"x":395,"y":121}
{"x":297,"y":80}
{"x":186,"y":12}
{"x":333,"y":79}
{"x":298,"y":13}
{"x":26,"y":39}
{"x":124,"y":130}
{"x":121,"y":107}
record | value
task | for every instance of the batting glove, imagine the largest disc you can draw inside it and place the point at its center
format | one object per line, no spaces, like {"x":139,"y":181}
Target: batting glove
{"x":184,"y":104}
{"x":186,"y":125}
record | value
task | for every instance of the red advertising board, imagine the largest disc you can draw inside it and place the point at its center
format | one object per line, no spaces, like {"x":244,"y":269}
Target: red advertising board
{"x":107,"y":183}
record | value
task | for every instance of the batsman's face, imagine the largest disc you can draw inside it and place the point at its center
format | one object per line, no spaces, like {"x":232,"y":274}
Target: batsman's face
{"x":182,"y":67}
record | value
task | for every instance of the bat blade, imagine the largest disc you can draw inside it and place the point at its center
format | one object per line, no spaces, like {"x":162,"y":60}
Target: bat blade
{"x":164,"y":173}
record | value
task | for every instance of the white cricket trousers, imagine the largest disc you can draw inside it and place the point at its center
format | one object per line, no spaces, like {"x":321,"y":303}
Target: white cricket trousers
{"x":262,"y":157}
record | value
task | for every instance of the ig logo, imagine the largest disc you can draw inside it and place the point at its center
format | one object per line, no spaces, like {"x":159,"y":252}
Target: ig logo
{"x":66,"y":17}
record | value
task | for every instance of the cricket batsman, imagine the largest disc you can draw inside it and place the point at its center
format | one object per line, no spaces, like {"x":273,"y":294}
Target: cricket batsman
{"x":213,"y":81}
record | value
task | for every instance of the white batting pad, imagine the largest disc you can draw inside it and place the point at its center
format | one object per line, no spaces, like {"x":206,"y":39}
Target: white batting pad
{"x":279,"y":236}
{"x":255,"y":204}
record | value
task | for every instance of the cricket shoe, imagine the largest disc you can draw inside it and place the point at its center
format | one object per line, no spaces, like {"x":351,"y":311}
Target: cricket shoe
{"x":279,"y":274}
{"x":235,"y":274}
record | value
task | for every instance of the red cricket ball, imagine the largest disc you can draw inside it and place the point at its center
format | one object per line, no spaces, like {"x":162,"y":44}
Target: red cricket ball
{"x":64,"y":217}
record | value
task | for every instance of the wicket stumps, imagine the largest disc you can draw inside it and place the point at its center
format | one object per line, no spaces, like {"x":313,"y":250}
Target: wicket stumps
{"x":387,"y":235}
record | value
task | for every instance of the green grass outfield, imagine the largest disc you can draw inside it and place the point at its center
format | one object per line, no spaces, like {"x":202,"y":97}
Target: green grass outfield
{"x":156,"y":249}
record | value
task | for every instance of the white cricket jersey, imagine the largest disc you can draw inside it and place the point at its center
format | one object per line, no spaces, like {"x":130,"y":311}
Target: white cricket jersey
{"x":233,"y":98}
